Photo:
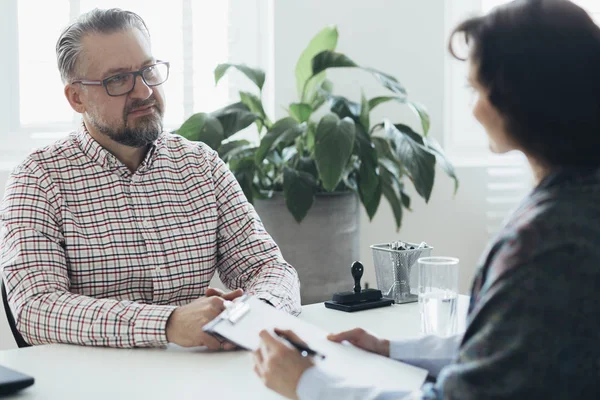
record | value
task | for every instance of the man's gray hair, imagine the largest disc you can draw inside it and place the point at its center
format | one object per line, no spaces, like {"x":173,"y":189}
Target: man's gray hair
{"x":68,"y":46}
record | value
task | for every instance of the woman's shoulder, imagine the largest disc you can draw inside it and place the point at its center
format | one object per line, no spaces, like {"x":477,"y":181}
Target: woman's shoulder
{"x":557,"y":214}
{"x":551,"y":231}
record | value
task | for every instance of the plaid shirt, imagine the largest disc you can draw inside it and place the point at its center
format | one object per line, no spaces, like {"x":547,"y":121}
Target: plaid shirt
{"x":94,"y":254}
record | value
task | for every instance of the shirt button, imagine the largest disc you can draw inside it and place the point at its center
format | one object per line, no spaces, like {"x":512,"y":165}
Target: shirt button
{"x":157,"y":269}
{"x":147,"y":224}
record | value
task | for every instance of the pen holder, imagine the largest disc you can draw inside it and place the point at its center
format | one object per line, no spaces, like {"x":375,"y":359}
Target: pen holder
{"x":396,"y":277}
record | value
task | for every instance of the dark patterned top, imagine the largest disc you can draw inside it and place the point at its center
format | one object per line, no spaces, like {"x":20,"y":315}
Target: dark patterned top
{"x":534,"y":320}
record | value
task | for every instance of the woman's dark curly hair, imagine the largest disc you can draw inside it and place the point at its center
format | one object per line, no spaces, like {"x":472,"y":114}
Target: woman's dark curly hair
{"x":539,"y":60}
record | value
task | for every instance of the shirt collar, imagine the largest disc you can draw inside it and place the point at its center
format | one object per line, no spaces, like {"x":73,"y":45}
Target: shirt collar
{"x":98,"y":154}
{"x":570,"y":175}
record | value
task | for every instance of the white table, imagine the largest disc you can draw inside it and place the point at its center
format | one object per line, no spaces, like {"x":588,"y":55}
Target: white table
{"x":73,"y":372}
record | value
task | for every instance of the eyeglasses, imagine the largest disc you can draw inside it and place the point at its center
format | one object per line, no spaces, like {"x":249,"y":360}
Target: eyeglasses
{"x":122,"y":84}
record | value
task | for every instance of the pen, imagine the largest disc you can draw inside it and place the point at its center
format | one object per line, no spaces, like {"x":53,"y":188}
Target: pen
{"x":302,"y":348}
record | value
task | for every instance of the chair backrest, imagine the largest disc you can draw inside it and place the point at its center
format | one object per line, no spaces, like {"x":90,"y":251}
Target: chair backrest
{"x":11,"y":321}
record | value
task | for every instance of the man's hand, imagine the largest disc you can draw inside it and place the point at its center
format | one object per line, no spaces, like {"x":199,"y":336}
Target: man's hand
{"x":360,"y":338}
{"x":184,"y":326}
{"x":279,"y":365}
{"x":210,"y":292}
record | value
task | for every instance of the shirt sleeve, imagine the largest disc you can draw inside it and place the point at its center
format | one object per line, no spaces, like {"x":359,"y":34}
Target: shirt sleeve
{"x":430,"y":352}
{"x":34,"y":268}
{"x":248,"y":258}
{"x":316,"y":384}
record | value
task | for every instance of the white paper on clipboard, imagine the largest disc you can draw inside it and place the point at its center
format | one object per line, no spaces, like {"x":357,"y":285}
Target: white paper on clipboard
{"x":242,"y":321}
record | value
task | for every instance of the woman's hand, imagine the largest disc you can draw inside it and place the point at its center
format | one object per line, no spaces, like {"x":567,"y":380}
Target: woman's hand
{"x":279,"y":365}
{"x":361,"y":338}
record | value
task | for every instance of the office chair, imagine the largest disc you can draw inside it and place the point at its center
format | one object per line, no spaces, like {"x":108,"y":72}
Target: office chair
{"x":11,"y":321}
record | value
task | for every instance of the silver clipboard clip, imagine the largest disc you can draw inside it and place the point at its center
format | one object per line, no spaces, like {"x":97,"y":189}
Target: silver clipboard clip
{"x":236,"y":310}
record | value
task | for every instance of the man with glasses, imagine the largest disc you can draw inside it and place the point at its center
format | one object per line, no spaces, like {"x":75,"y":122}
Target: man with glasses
{"x":111,"y":236}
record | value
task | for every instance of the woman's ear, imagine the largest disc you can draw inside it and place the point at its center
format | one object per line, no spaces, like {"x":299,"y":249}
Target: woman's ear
{"x":73,"y":95}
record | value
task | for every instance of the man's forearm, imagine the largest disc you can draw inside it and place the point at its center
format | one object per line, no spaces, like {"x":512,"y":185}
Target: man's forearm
{"x":279,"y":286}
{"x":63,"y":317}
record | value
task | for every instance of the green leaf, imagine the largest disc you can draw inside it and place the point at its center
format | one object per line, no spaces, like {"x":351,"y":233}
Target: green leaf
{"x":308,"y":165}
{"x":326,"y":39}
{"x":243,"y":169}
{"x":417,"y":108}
{"x":202,"y":127}
{"x":298,"y":191}
{"x":288,"y":153}
{"x":334,"y":140}
{"x":260,"y":194}
{"x":234,"y":118}
{"x":230,"y":148}
{"x":419,"y":163}
{"x":392,"y":196}
{"x":421,"y":112}
{"x":405,"y":200}
{"x":388,"y":81}
{"x":408,"y":131}
{"x":375,"y":101}
{"x":367,"y":177}
{"x":256,"y":75}
{"x":369,"y":188}
{"x":244,"y":159}
{"x":351,"y":173}
{"x":343,"y":107}
{"x":320,"y":95}
{"x":435,"y":148}
{"x":254,"y":104}
{"x":330,"y":59}
{"x":364,"y":112}
{"x":383,"y":147}
{"x":350,"y":182}
{"x":288,"y":137}
{"x":245,"y":178}
{"x":387,"y":158}
{"x":311,"y":130}
{"x":300,"y":111}
{"x":392,"y":169}
{"x":268,"y":141}
{"x":273,"y":158}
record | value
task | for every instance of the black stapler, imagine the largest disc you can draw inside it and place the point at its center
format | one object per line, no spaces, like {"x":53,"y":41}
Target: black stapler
{"x":358,"y":299}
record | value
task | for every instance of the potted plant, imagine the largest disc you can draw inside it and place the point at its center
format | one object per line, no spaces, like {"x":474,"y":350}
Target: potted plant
{"x":308,"y":171}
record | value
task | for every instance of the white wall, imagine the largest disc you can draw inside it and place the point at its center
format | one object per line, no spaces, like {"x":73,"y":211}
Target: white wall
{"x":406,"y":39}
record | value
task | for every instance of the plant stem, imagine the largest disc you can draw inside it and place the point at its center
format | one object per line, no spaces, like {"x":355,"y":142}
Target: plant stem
{"x":304,"y":88}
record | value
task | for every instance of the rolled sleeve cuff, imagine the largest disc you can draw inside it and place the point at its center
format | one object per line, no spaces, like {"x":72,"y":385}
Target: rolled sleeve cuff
{"x":150,"y":328}
{"x":282,"y":302}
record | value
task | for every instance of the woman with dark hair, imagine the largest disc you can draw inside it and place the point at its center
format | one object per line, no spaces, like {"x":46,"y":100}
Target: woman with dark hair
{"x":534,"y":320}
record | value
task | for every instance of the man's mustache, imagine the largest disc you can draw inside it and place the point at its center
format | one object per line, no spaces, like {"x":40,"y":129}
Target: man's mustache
{"x":136,"y":104}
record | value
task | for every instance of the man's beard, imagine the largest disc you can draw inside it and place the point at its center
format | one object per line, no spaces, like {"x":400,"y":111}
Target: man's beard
{"x":146,"y":130}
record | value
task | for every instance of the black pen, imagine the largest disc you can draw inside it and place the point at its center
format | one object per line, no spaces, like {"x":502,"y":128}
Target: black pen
{"x":302,"y":348}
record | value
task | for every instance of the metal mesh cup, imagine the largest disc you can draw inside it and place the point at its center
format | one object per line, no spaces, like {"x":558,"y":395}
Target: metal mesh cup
{"x":396,"y":277}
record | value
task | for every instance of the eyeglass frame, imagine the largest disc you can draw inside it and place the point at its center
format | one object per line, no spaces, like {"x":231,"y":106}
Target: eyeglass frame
{"x":135,"y":74}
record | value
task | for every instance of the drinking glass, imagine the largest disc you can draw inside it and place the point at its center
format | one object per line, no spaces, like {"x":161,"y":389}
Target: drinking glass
{"x":438,"y":295}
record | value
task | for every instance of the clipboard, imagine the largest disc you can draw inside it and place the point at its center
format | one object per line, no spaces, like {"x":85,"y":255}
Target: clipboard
{"x":246,"y":316}
{"x":234,"y":312}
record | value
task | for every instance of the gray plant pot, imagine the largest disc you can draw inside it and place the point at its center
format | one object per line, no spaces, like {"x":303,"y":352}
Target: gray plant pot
{"x":322,"y":247}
